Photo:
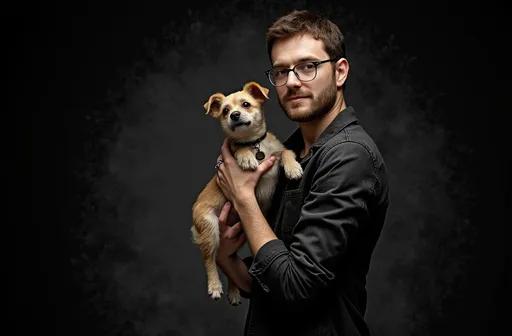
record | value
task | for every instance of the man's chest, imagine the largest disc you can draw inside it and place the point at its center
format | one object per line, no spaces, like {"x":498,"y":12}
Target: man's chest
{"x":287,"y":205}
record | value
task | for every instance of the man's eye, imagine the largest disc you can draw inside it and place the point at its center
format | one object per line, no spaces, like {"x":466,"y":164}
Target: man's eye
{"x":280,"y":72}
{"x":305,"y":66}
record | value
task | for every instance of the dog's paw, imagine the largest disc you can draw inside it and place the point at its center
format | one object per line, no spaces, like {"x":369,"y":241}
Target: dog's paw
{"x":215,"y":290}
{"x":247,"y":162}
{"x":234,"y":297}
{"x":293,"y":171}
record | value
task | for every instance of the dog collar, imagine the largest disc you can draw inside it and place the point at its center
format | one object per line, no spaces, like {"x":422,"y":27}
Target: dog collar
{"x":256,"y":145}
{"x":252,"y":143}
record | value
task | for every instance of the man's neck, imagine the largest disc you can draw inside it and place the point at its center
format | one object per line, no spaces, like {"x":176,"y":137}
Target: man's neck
{"x":312,"y":130}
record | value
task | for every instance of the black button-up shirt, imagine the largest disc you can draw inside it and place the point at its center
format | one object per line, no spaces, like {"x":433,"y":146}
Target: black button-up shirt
{"x":312,"y":280}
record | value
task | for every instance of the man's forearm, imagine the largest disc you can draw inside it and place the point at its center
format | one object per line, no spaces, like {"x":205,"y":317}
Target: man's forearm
{"x":255,"y":226}
{"x":237,"y":271}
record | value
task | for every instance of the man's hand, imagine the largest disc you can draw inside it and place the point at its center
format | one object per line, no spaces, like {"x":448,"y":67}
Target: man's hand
{"x":231,"y":237}
{"x":237,"y":184}
{"x":231,"y":240}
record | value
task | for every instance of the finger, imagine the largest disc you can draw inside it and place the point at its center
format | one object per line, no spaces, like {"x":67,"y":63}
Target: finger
{"x":221,"y":184}
{"x":234,"y":230}
{"x":224,"y":212}
{"x":266,"y":165}
{"x":221,"y":181}
{"x":226,"y":153}
{"x":221,"y":173}
{"x":220,"y":170}
{"x":240,"y":241}
{"x":219,"y":158}
{"x":220,"y":176}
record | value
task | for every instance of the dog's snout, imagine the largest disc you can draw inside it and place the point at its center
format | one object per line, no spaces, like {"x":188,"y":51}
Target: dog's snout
{"x":235,"y":116}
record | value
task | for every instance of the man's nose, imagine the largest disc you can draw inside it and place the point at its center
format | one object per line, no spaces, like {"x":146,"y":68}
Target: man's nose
{"x":235,"y":116}
{"x":293,"y":80}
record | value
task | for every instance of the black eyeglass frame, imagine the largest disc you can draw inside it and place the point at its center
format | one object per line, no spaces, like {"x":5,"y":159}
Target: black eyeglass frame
{"x":315,"y":63}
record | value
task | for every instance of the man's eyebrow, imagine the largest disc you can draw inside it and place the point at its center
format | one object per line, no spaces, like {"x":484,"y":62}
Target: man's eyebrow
{"x":300,"y":60}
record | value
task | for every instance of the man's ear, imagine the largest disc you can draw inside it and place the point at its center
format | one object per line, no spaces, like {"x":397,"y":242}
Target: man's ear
{"x":212,"y":106}
{"x":342,"y":68}
{"x":256,"y":91}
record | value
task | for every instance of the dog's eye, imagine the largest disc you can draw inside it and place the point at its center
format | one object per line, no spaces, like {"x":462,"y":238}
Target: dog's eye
{"x":225,"y":111}
{"x":246,"y":104}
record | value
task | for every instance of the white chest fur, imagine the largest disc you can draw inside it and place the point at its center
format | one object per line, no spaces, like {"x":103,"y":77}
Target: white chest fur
{"x":267,"y":183}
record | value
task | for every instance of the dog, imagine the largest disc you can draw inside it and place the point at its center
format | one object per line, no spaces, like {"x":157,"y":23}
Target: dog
{"x":241,"y":115}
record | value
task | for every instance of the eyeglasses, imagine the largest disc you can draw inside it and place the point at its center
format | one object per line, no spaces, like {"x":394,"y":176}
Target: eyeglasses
{"x":305,"y":72}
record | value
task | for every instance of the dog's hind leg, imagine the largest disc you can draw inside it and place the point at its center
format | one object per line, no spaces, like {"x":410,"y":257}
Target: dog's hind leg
{"x":208,"y":242}
{"x":233,"y":293}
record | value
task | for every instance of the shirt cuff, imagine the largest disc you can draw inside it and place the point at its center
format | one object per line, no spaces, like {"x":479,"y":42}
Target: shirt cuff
{"x":263,"y":259}
{"x":247,"y":261}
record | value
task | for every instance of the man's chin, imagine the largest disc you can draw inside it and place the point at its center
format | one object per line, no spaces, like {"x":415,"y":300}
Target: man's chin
{"x":296,"y":110}
{"x":297,"y":116}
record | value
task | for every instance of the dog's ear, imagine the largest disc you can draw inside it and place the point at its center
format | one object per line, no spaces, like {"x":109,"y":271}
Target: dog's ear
{"x":212,"y":106}
{"x":257,"y":91}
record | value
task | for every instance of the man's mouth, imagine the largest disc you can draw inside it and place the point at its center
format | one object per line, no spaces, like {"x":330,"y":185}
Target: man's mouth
{"x":240,"y":124}
{"x":296,"y":98}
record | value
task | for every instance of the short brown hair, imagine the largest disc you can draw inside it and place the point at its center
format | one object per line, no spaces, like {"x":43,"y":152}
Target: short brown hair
{"x":305,"y":22}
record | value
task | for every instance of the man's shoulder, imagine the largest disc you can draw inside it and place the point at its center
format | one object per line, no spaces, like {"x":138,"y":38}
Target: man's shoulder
{"x":354,"y":143}
{"x":353,"y":138}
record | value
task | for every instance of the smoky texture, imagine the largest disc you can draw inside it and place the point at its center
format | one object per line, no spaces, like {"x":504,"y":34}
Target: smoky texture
{"x":152,"y":150}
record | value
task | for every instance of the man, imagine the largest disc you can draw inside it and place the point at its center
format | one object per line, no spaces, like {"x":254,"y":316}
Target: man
{"x":311,"y":254}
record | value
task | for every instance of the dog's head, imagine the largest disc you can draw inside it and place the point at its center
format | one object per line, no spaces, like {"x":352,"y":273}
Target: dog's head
{"x":240,"y":113}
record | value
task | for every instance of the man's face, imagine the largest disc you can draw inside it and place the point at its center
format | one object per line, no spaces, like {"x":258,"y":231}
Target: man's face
{"x":305,"y":101}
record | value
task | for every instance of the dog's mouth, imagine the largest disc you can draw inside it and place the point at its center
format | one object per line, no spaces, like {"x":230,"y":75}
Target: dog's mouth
{"x":240,"y":124}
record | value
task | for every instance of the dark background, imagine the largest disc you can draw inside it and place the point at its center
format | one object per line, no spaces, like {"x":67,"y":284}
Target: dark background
{"x":116,"y":91}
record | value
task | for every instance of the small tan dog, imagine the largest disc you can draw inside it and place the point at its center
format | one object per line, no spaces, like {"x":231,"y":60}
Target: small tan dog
{"x":242,"y":120}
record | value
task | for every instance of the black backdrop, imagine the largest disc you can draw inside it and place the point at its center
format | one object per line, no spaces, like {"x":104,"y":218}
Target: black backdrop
{"x":120,"y":147}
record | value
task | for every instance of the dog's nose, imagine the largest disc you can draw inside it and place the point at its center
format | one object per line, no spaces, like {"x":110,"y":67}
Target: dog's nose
{"x":235,"y":116}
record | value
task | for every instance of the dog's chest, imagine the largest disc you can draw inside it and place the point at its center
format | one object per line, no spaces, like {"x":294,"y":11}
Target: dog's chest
{"x":267,"y":183}
{"x":266,"y":149}
{"x":266,"y":186}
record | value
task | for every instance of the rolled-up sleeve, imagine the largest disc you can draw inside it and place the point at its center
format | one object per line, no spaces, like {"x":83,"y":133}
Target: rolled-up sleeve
{"x":247,"y":261}
{"x":331,"y":213}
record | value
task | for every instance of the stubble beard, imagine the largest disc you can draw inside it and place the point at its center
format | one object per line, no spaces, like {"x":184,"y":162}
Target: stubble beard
{"x":320,"y":106}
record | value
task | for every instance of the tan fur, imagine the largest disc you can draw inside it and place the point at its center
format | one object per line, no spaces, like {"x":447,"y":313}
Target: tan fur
{"x":205,"y":229}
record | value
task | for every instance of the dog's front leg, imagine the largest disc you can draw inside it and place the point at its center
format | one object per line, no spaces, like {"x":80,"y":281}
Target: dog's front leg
{"x":292,"y":168}
{"x":246,"y":159}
